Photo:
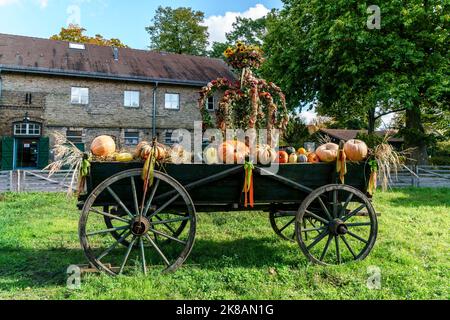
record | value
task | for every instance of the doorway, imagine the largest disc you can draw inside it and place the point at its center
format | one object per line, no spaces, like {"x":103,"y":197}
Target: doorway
{"x":27,"y":153}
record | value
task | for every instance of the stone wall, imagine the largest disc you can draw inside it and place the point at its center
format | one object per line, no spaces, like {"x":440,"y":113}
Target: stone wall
{"x":105,"y":113}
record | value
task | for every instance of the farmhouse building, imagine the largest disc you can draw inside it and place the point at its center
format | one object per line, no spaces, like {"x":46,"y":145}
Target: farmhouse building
{"x":84,"y":90}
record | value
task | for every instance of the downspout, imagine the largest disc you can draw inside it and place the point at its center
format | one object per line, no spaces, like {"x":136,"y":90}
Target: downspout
{"x":155,"y":89}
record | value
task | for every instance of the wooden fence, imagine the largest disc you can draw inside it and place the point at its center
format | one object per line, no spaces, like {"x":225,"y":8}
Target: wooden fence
{"x":39,"y":181}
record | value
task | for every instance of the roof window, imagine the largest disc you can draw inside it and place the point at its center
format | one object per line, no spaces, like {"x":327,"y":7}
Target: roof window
{"x":78,"y":46}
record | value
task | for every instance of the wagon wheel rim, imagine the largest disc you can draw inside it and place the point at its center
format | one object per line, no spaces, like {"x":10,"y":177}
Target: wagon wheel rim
{"x":349,"y":225}
{"x":138,"y":228}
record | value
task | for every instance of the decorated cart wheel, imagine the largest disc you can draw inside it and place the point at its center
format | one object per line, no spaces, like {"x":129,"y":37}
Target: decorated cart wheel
{"x":283,"y":223}
{"x":137,"y":233}
{"x":172,"y":230}
{"x":348,"y":229}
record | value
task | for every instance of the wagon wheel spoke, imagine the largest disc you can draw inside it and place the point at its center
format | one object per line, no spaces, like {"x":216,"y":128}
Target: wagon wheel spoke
{"x":287,"y":225}
{"x":111,"y":216}
{"x":156,"y":232}
{"x":116,"y":197}
{"x":164,"y":222}
{"x":166,"y":225}
{"x":318,"y":239}
{"x":348,"y":246}
{"x":338,"y":250}
{"x":150,"y":199}
{"x":314,"y":225}
{"x":94,"y":233}
{"x":314,"y":229}
{"x":347,"y":202}
{"x":325,"y":250}
{"x":357,"y":237}
{"x":164,"y":206}
{"x":166,"y":261}
{"x":144,"y":263}
{"x":127,"y":255}
{"x":315,"y":216}
{"x":335,"y":203}
{"x":135,"y":198}
{"x":353,"y":213}
{"x":359,"y":224}
{"x":324,"y":208}
{"x":123,"y":236}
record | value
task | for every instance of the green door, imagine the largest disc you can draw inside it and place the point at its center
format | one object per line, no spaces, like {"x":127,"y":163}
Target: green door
{"x":44,"y":149}
{"x":7,"y":153}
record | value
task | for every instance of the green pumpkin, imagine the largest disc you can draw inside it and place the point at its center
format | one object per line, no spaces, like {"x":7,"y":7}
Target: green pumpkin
{"x":290,"y":150}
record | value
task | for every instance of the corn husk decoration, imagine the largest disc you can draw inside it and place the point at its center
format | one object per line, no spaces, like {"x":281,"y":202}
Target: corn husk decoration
{"x":373,"y":184}
{"x":341,"y":165}
{"x":248,"y":185}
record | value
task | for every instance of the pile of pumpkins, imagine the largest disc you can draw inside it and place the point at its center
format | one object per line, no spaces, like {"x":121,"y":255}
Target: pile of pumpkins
{"x":355,"y":150}
{"x":231,"y":152}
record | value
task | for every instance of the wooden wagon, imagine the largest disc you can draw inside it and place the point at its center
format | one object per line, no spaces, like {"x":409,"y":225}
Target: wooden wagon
{"x":122,"y":229}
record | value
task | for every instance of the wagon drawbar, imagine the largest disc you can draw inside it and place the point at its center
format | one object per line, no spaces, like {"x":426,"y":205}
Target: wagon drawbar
{"x":121,"y":228}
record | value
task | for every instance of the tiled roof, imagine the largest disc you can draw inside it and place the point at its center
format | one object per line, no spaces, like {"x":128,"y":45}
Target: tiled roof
{"x":343,"y":134}
{"x":26,"y":54}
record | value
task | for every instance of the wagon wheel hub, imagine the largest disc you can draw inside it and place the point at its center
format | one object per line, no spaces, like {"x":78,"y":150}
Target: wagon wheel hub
{"x":140,"y":226}
{"x":338,"y":227}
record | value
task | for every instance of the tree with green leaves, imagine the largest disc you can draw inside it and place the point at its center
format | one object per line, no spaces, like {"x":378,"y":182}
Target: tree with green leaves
{"x":324,"y":53}
{"x":246,"y":30}
{"x":75,"y":33}
{"x":178,"y":30}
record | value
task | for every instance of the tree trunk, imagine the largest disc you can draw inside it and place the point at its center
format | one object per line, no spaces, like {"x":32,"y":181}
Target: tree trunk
{"x":372,"y":120}
{"x":414,"y":138}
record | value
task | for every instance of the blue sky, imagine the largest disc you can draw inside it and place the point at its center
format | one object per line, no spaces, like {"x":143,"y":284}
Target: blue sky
{"x":125,"y":20}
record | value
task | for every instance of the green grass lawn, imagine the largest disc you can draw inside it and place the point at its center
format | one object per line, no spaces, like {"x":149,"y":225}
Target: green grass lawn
{"x":236,"y":256}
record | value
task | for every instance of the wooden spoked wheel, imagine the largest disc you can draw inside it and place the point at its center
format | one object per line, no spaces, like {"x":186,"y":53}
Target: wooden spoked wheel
{"x":348,"y":229}
{"x":158,"y":231}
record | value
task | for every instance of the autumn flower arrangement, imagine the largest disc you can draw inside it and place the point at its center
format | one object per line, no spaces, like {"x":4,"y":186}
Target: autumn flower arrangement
{"x":247,"y":103}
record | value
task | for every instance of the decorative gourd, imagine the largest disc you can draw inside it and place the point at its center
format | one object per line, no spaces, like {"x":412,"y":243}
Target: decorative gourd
{"x":283,"y":157}
{"x":356,"y":150}
{"x":179,"y":155}
{"x":144,"y":150}
{"x":103,"y":146}
{"x":211,"y":156}
{"x":303,"y":158}
{"x":302,"y":151}
{"x":313,"y":158}
{"x":266,"y":154}
{"x":290,"y":150}
{"x":293,"y":158}
{"x":233,"y":152}
{"x":124,"y":157}
{"x":328,"y":152}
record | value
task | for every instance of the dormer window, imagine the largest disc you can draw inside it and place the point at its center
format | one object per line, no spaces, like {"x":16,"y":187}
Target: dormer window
{"x":78,"y":46}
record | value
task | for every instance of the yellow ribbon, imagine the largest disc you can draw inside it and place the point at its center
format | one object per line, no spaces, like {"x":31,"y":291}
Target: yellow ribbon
{"x":248,"y":185}
{"x":341,"y":166}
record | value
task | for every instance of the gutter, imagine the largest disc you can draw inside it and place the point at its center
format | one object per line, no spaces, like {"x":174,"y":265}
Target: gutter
{"x":155,"y":89}
{"x":98,"y":75}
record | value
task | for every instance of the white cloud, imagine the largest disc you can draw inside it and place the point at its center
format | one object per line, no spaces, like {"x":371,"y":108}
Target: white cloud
{"x":218,"y":26}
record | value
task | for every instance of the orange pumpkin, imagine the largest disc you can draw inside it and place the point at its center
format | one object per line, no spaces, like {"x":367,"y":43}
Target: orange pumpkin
{"x":328,"y":152}
{"x":356,"y":150}
{"x":283,"y":157}
{"x":231,"y":152}
{"x":266,"y":154}
{"x":144,"y":150}
{"x":313,"y":158}
{"x":103,"y":146}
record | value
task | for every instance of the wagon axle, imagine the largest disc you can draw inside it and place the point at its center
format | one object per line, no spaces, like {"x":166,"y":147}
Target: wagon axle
{"x":338,"y":228}
{"x":140,"y":226}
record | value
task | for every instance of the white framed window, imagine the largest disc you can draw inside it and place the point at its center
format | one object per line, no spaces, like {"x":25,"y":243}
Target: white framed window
{"x":172,"y":101}
{"x":79,"y":95}
{"x":131,"y":99}
{"x":210,"y":104}
{"x":131,"y":138}
{"x":27,"y":129}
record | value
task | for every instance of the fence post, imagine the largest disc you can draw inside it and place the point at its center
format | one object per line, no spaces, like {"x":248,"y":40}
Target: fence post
{"x":11,"y":184}
{"x":418,"y":177}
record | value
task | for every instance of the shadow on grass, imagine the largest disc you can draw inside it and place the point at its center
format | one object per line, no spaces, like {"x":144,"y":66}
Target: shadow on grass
{"x":22,"y":268}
